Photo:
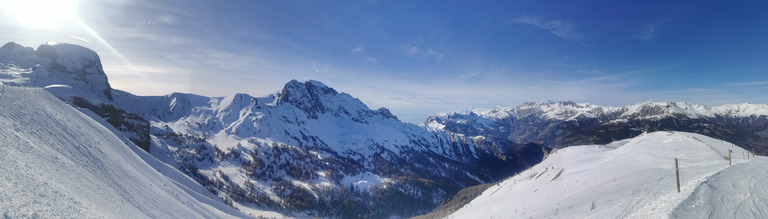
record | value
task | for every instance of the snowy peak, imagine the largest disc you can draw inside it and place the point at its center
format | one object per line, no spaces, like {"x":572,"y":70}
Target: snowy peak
{"x":568,"y":111}
{"x":66,"y":53}
{"x":559,"y":124}
{"x":310,"y":90}
{"x":660,"y":109}
{"x":560,"y":110}
{"x":742,"y":110}
{"x":56,"y":64}
{"x":16,"y":48}
{"x":308,"y":96}
{"x":315,"y":98}
{"x":237,"y":101}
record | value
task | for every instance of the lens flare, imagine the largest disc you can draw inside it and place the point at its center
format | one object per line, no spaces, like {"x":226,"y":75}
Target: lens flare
{"x":40,"y":14}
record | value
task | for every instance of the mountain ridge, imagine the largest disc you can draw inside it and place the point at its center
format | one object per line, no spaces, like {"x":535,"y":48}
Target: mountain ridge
{"x":632,"y":178}
{"x":308,"y":150}
{"x":304,"y":150}
{"x":562,"y":124}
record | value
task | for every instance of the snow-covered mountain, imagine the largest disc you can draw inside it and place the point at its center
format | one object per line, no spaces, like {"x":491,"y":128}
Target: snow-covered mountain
{"x":59,"y":162}
{"x":74,"y":74}
{"x":633,"y":178}
{"x":306,"y":150}
{"x":560,"y":124}
{"x":69,"y":69}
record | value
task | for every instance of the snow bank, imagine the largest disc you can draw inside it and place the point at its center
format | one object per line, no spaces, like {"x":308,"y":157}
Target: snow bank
{"x":633,"y":178}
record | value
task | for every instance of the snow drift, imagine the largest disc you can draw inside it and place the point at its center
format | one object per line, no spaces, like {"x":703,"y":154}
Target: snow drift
{"x":58,"y":162}
{"x":633,"y":178}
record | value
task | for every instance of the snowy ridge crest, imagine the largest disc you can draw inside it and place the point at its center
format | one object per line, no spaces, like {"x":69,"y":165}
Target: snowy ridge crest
{"x":314,"y":98}
{"x":567,"y":111}
{"x":56,"y":64}
{"x":632,"y":178}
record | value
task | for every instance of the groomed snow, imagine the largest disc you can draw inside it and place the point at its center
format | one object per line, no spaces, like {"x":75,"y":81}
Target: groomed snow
{"x":737,"y":192}
{"x":59,"y":163}
{"x":634,"y":178}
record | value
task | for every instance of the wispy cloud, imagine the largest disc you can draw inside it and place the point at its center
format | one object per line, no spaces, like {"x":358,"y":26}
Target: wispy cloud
{"x":468,"y":75}
{"x":358,"y":49}
{"x":371,"y":59}
{"x":558,"y":28}
{"x":411,"y":50}
{"x":651,"y":30}
{"x":164,"y":19}
{"x":319,"y":67}
{"x":436,"y":54}
{"x":591,"y":72}
{"x":752,"y":83}
{"x":648,"y":33}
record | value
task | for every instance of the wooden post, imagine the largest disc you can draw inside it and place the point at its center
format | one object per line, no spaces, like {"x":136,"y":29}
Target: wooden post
{"x":729,"y":158}
{"x":677,"y":174}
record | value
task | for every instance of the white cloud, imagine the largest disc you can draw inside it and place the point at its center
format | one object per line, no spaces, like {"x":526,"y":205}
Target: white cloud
{"x":468,"y":75}
{"x":436,"y":54}
{"x":166,"y":19}
{"x":371,"y":59}
{"x":358,"y":49}
{"x":651,"y":30}
{"x":648,"y":33}
{"x":751,"y":83}
{"x":322,"y":67}
{"x":558,"y":28}
{"x":411,"y":50}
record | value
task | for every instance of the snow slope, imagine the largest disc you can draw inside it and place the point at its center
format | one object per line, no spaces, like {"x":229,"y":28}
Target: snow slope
{"x":58,"y":162}
{"x":633,"y":178}
{"x":737,"y":192}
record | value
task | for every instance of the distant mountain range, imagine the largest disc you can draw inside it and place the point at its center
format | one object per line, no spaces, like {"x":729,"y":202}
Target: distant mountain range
{"x":308,"y":150}
{"x":562,"y":124}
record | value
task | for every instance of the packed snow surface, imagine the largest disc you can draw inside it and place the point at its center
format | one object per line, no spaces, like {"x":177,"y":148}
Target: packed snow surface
{"x":633,"y":178}
{"x":59,"y":163}
{"x":737,"y":192}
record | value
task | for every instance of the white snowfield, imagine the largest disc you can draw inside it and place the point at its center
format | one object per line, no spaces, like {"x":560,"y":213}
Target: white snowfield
{"x":59,"y":163}
{"x":633,"y":178}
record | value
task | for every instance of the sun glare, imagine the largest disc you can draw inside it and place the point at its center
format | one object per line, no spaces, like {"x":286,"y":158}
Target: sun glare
{"x":41,"y":14}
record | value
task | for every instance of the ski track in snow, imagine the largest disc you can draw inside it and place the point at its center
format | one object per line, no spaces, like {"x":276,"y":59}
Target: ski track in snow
{"x":736,"y":192}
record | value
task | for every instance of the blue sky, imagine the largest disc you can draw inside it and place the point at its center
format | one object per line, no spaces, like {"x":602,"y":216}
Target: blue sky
{"x":422,"y":57}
